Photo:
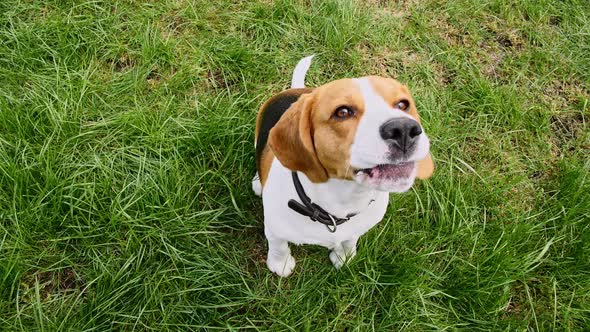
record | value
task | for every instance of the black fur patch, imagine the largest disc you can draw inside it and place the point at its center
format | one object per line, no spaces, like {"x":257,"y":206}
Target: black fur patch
{"x":271,"y":114}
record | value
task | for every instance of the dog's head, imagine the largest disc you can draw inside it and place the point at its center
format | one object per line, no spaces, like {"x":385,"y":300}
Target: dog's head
{"x":366,"y":129}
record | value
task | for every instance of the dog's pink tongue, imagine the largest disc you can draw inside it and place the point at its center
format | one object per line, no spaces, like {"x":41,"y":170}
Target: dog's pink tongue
{"x":375,"y":172}
{"x":392,"y":171}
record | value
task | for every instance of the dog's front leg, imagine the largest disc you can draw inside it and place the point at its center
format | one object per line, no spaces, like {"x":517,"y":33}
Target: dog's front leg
{"x":343,"y":252}
{"x":279,"y":258}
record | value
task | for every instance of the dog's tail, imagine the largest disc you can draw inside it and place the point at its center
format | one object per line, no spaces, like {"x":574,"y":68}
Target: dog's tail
{"x":298,"y":80}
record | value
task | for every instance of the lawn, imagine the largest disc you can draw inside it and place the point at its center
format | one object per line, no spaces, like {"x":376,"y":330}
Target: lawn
{"x":126,"y":155}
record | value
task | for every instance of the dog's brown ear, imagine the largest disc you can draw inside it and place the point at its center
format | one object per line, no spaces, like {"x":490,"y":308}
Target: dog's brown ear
{"x":291,"y":140}
{"x":425,"y":167}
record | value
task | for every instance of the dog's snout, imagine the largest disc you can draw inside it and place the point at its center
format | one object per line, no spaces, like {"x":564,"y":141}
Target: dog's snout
{"x":402,"y":133}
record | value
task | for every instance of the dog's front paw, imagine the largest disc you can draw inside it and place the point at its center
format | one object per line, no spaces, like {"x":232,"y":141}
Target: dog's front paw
{"x":341,"y":257}
{"x":282,"y":266}
{"x":338,"y":260}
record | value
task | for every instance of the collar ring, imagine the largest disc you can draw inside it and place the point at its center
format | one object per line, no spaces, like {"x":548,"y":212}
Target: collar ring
{"x":332,"y":228}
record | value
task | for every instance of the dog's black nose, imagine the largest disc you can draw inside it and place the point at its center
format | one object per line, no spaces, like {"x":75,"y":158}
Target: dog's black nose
{"x":401,"y":132}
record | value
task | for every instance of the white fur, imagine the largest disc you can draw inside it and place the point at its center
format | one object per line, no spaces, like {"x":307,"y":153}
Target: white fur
{"x":257,"y":185}
{"x":340,"y":197}
{"x":298,"y":80}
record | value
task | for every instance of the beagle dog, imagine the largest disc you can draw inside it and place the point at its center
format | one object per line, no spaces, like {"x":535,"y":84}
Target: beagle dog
{"x":327,"y":159}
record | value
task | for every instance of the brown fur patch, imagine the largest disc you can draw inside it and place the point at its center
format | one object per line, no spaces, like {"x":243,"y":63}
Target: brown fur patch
{"x":309,"y":139}
{"x":276,"y":104}
{"x":333,"y":137}
{"x":292,"y":143}
{"x":392,"y":92}
{"x":265,"y":163}
{"x":425,"y":168}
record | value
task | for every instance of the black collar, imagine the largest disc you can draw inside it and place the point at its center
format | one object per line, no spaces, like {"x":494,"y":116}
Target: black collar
{"x":312,"y":210}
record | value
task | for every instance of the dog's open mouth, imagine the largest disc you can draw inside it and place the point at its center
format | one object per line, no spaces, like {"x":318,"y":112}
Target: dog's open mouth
{"x":389,"y":171}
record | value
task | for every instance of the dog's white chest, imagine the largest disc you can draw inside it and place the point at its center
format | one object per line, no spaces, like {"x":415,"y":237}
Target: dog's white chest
{"x":282,"y":222}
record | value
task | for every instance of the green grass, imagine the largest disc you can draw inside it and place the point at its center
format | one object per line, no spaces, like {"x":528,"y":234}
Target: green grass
{"x":126,"y":153}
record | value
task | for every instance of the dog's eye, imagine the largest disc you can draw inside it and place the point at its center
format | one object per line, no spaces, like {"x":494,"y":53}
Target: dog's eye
{"x":343,"y":113}
{"x":403,"y":105}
